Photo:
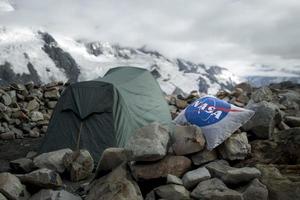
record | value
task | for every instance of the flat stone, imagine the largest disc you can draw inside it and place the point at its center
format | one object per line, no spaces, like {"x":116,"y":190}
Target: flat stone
{"x":187,"y":139}
{"x":204,"y":157}
{"x":192,"y":178}
{"x":148,"y":143}
{"x":175,"y":165}
{"x":115,"y":186}
{"x":33,"y":105}
{"x":36,"y":116}
{"x":52,"y":94}
{"x":22,"y":165}
{"x":292,"y":121}
{"x":79,"y":164}
{"x":43,"y":178}
{"x":6,"y":99}
{"x":230,"y":175}
{"x":236,"y":147}
{"x":171,"y":179}
{"x":110,"y":159}
{"x":47,"y":194}
{"x":172,"y":191}
{"x":215,"y":189}
{"x":10,"y":186}
{"x":255,"y":190}
{"x":52,"y":160}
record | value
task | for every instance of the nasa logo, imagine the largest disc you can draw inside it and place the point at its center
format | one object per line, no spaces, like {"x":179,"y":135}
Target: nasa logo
{"x":206,"y":111}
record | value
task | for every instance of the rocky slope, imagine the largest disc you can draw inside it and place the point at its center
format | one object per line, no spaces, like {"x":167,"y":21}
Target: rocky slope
{"x":259,"y":161}
{"x":41,"y":57}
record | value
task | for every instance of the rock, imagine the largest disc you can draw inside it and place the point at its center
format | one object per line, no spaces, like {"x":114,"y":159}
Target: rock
{"x":33,"y":105}
{"x":292,"y":121}
{"x":181,"y":104}
{"x":52,"y":94}
{"x":151,"y":196}
{"x":171,"y":179}
{"x":148,"y":143}
{"x":34,"y":133}
{"x":6,"y":99}
{"x":10,"y":186}
{"x":18,"y":133}
{"x":230,"y":175}
{"x":215,"y":189}
{"x":255,"y":190}
{"x":2,"y":197}
{"x":176,"y":165}
{"x":22,"y":165}
{"x":187,"y":140}
{"x":279,"y":186}
{"x":115,"y":186}
{"x":7,"y":136}
{"x":246,"y":87}
{"x":172,"y":191}
{"x":110,"y":159}
{"x":52,"y":104}
{"x":266,"y":116}
{"x":47,"y":194}
{"x":79,"y":164}
{"x":31,"y":154}
{"x":42,"y":178}
{"x":236,"y":147}
{"x":36,"y":116}
{"x":262,"y":94}
{"x":192,"y":178}
{"x":52,"y":160}
{"x":204,"y":156}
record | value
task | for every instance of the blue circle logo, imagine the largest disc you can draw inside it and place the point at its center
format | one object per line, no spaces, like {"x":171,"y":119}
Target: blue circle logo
{"x":206,"y":111}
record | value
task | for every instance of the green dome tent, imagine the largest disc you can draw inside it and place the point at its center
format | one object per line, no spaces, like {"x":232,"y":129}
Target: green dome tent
{"x":105,"y":112}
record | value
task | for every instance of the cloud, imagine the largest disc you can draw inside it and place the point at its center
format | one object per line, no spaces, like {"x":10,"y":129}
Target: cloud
{"x":237,"y":34}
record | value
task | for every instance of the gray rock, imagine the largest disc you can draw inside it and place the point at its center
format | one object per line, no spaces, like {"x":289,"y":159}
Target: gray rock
{"x":10,"y":186}
{"x":187,"y":139}
{"x":79,"y":164}
{"x":255,"y":190}
{"x":176,"y":165}
{"x":262,"y":94}
{"x":115,"y":186}
{"x":192,"y":178}
{"x":2,"y":197}
{"x":31,"y":154}
{"x":148,"y":143}
{"x":204,"y":156}
{"x":7,"y":136}
{"x":172,"y":191}
{"x":215,"y":189}
{"x":266,"y":116}
{"x":52,"y":94}
{"x":52,"y":104}
{"x":110,"y":159}
{"x":151,"y":196}
{"x":6,"y":99}
{"x":47,"y":194}
{"x":33,"y":105}
{"x":171,"y":179}
{"x":42,"y":178}
{"x":22,"y":165}
{"x":230,"y":175}
{"x":292,"y":121}
{"x":36,"y":116}
{"x":52,"y":160}
{"x":236,"y":147}
{"x":34,"y":133}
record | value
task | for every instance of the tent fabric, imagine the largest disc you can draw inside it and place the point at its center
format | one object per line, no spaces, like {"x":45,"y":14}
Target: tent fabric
{"x":106,"y":111}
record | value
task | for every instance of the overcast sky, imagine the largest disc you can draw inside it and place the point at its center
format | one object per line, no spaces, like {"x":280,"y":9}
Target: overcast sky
{"x":239,"y":34}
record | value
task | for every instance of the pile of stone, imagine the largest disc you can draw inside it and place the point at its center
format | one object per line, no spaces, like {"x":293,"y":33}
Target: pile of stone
{"x":25,"y":110}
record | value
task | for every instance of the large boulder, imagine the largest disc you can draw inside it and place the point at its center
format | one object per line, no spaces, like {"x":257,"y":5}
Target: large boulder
{"x":148,"y":143}
{"x":187,"y":139}
{"x":236,"y":147}
{"x":176,"y":165}
{"x":110,"y":159}
{"x":47,"y":194}
{"x":52,"y":160}
{"x":117,"y":185}
{"x":192,"y":178}
{"x":79,"y":164}
{"x":215,"y":189}
{"x":279,"y":186}
{"x":172,"y":191}
{"x":10,"y":186}
{"x":231,"y":175}
{"x":254,"y":190}
{"x":42,"y":178}
{"x":204,"y":157}
{"x":266,"y":116}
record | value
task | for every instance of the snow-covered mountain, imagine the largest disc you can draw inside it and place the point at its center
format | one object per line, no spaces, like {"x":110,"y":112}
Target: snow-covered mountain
{"x":26,"y":54}
{"x":259,"y":81}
